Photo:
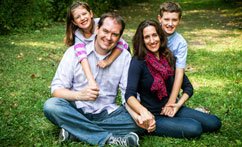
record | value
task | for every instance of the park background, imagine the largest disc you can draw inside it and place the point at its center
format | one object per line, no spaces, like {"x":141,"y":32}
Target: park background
{"x":31,"y":46}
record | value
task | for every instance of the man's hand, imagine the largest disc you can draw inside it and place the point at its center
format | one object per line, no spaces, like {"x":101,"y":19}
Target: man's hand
{"x":90,"y":93}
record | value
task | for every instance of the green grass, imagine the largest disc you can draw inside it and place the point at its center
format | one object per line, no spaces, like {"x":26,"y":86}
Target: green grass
{"x":213,"y":30}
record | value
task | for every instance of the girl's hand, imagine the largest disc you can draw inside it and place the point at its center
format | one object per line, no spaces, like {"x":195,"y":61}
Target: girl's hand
{"x":103,"y":63}
{"x":93,"y":84}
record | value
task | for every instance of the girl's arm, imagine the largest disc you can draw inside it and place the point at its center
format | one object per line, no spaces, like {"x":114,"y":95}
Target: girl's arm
{"x":87,"y":70}
{"x":121,"y":45}
{"x":104,"y":63}
{"x":82,"y":57}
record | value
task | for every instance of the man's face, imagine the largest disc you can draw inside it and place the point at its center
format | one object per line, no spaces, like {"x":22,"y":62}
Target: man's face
{"x":169,"y":22}
{"x":107,"y":36}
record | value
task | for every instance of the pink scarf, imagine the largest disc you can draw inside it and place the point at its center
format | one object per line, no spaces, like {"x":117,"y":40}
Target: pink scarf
{"x":160,"y":70}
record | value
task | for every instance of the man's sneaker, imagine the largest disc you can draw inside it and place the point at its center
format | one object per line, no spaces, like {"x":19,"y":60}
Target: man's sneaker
{"x":65,"y":135}
{"x":129,"y":140}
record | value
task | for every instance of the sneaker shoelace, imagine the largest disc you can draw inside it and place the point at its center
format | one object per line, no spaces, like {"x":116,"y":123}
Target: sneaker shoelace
{"x":118,"y":141}
{"x":64,"y":135}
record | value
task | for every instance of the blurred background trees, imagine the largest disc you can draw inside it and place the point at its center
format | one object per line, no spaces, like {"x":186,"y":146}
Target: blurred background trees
{"x":33,"y":14}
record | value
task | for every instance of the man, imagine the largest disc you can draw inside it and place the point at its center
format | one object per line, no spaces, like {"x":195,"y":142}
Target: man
{"x":89,"y":113}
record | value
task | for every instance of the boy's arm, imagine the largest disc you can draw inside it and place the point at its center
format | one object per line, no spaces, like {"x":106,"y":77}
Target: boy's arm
{"x":187,"y":93}
{"x":176,"y":85}
{"x":181,"y":56}
{"x":168,"y":108}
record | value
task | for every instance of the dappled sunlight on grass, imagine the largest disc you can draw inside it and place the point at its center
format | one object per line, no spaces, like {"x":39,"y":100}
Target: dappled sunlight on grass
{"x":214,"y":40}
{"x":214,"y":83}
{"x":50,"y":45}
{"x":237,"y":13}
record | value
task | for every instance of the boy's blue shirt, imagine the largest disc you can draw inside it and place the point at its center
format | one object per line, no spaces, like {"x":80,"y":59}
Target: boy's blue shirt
{"x":178,"y":45}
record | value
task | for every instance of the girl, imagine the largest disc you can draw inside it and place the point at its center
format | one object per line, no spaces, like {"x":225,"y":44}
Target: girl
{"x":151,"y":74}
{"x":80,"y":29}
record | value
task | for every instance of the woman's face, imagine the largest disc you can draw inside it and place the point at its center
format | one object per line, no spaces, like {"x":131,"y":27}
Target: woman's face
{"x":151,"y":39}
{"x":82,"y":18}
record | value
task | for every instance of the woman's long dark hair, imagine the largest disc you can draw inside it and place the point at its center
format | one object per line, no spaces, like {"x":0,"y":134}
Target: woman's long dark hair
{"x":139,"y":47}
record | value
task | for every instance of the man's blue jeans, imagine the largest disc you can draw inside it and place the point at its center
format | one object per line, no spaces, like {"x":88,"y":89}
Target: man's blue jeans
{"x":92,"y":128}
{"x":187,"y":123}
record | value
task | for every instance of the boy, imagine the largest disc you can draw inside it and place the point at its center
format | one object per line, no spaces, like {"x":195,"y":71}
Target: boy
{"x":169,"y":18}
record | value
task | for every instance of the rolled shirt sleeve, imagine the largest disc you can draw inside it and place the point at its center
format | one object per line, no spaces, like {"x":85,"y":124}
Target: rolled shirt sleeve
{"x":80,"y":51}
{"x":64,"y":74}
{"x":187,"y":86}
{"x":122,"y":45}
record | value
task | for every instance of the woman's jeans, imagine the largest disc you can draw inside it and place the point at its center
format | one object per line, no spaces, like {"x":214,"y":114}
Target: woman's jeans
{"x":187,"y":123}
{"x":92,"y":128}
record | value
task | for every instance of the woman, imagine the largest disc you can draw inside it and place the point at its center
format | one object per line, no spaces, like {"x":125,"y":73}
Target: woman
{"x":151,"y":74}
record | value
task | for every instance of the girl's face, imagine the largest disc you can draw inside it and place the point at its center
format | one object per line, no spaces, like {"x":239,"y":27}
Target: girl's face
{"x":82,"y":18}
{"x":151,"y":40}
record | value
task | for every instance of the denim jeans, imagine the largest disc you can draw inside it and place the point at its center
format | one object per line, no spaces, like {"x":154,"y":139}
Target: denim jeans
{"x":92,"y":128}
{"x":187,"y":123}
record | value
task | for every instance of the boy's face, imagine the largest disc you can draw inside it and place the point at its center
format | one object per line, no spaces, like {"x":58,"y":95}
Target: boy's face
{"x":169,"y":22}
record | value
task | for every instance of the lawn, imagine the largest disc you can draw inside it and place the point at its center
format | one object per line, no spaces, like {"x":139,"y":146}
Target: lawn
{"x":213,"y":30}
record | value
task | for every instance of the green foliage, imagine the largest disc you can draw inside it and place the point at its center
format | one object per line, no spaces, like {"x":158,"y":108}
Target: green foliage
{"x":23,"y":14}
{"x":58,"y":9}
{"x":33,"y":14}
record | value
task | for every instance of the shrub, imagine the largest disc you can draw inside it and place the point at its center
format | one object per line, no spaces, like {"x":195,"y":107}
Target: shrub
{"x":32,"y":14}
{"x":27,"y":14}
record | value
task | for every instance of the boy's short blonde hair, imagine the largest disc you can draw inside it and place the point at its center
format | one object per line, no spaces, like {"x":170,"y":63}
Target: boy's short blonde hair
{"x":170,"y":7}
